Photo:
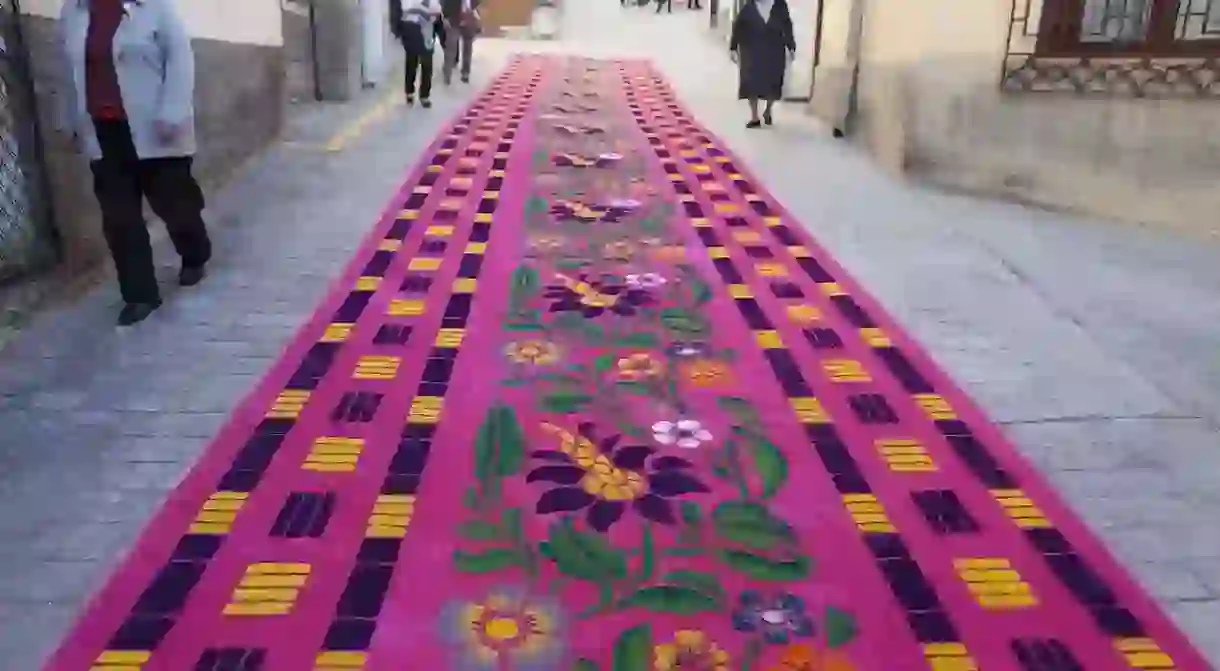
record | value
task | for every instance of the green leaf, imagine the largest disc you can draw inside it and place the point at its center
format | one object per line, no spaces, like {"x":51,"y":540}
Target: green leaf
{"x":683,"y":322}
{"x":569,"y":321}
{"x":633,"y":387}
{"x":633,"y":649}
{"x":604,"y":362}
{"x":841,"y":627}
{"x":671,"y":599}
{"x":471,"y":498}
{"x":485,"y":448}
{"x":639,"y":339}
{"x":522,"y":285}
{"x":512,"y":524}
{"x":523,"y":326}
{"x":585,"y":664}
{"x":510,"y":442}
{"x":772,"y":466}
{"x":692,"y":514}
{"x":486,"y":561}
{"x":752,"y":525}
{"x":594,"y":333}
{"x":764,"y":568}
{"x":571,"y":264}
{"x":704,"y":582}
{"x":564,"y":402}
{"x":684,"y":552}
{"x":479,"y":530}
{"x":648,"y":560}
{"x":740,"y":408}
{"x":584,"y":555}
{"x":701,"y":292}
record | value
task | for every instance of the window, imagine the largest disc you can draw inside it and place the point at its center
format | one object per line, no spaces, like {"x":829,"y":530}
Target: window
{"x":1129,"y":27}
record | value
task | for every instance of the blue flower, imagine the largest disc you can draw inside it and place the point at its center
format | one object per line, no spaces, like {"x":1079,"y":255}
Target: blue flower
{"x":779,"y":618}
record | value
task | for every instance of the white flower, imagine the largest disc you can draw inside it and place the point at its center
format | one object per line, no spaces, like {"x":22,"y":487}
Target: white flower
{"x":611,"y":156}
{"x":645,"y":281}
{"x":685,"y":433}
{"x":626,"y":203}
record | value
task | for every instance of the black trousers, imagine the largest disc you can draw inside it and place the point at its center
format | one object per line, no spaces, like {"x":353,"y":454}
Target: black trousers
{"x":665,"y":4}
{"x":121,"y":182}
{"x":419,"y":64}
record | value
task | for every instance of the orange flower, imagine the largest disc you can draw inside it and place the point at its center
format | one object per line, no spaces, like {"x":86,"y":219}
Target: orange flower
{"x":669,"y":253}
{"x":798,"y":657}
{"x":639,"y":367}
{"x":707,"y":373}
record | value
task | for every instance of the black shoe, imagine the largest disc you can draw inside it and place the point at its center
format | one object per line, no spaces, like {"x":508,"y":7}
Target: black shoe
{"x":410,"y":99}
{"x":189,"y":276}
{"x":134,"y":313}
{"x":465,"y":79}
{"x":425,"y":103}
{"x":753,"y":124}
{"x":767,"y":118}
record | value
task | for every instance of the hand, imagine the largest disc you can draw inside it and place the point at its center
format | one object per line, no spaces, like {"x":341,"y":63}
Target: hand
{"x":166,"y":132}
{"x":733,"y":56}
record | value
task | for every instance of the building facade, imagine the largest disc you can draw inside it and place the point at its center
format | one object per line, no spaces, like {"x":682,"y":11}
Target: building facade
{"x":1109,"y":107}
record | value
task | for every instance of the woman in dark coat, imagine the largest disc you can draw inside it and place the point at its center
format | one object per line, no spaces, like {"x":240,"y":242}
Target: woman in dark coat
{"x":762,"y":44}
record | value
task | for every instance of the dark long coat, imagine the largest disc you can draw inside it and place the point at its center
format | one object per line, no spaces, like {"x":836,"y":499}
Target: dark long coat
{"x":762,"y":48}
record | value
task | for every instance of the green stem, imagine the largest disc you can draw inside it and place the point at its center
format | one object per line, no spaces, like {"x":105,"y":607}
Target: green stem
{"x":752,"y":653}
{"x":739,"y":477}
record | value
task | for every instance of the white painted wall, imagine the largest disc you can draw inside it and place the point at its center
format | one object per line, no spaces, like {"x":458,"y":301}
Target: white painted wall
{"x":804,"y":21}
{"x":244,"y":21}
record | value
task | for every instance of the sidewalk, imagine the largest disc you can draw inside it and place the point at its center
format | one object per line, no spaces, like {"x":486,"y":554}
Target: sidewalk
{"x":1095,"y":343}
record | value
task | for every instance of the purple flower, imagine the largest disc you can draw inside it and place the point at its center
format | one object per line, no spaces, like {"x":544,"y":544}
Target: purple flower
{"x":601,"y":477}
{"x":593,"y":298}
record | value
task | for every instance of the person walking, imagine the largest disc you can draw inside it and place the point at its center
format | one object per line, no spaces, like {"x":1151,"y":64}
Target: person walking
{"x":462,"y":19}
{"x":763,"y":45}
{"x":693,"y":4}
{"x":665,"y":4}
{"x":417,"y":24}
{"x":129,"y":105}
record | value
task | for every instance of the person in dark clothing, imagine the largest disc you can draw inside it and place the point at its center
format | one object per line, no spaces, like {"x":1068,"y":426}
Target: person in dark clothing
{"x":693,"y":4}
{"x":762,"y":44}
{"x":665,"y":4}
{"x":461,"y":27}
{"x":133,"y":117}
{"x":417,"y":24}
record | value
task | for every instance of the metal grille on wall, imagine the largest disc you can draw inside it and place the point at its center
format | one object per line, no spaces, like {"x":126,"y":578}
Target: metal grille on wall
{"x":1117,"y":48}
{"x":26,"y":236}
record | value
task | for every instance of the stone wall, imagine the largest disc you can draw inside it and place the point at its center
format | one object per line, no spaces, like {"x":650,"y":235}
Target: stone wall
{"x":239,"y":107}
{"x":299,"y":67}
{"x":928,"y":103}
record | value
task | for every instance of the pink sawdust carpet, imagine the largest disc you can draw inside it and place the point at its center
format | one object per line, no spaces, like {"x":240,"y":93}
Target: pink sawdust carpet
{"x":588,"y":399}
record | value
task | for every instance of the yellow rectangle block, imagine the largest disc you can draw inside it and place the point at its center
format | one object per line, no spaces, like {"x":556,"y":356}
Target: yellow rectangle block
{"x":877,"y":528}
{"x":258,"y":594}
{"x":927,"y":467}
{"x":982,"y":563}
{"x":385,"y":532}
{"x":897,"y":459}
{"x":368,"y":283}
{"x":866,"y":507}
{"x":832,"y":289}
{"x":332,"y":458}
{"x":718,"y":252}
{"x":210,"y":528}
{"x":465,"y":285}
{"x":769,"y":339}
{"x":1026,"y":511}
{"x":394,"y":508}
{"x":799,"y":251}
{"x":992,"y":575}
{"x":406,"y":307}
{"x":216,"y":516}
{"x":272,"y":580}
{"x":396,"y":498}
{"x":450,"y":338}
{"x":1150,"y":660}
{"x":439,"y":231}
{"x":952,"y":664}
{"x":390,"y":245}
{"x":944,"y":650}
{"x":117,"y":667}
{"x":998,"y":588}
{"x":278,"y":568}
{"x":870,"y":518}
{"x":701,"y":222}
{"x":859,"y":498}
{"x":482,"y":218}
{"x":726,"y":208}
{"x":123,"y":657}
{"x":1007,"y":601}
{"x":258,"y":608}
{"x":1141,"y":643}
{"x":337,"y":446}
{"x":424,"y":263}
{"x":229,"y":496}
{"x":328,"y":468}
{"x":1033,"y":523}
{"x":389,"y":520}
{"x":476,"y":248}
{"x":740,"y":291}
{"x":1016,"y":502}
{"x":342,"y":659}
{"x":336,"y":333}
{"x":223,"y":505}
{"x":374,"y":375}
{"x":1007,"y":493}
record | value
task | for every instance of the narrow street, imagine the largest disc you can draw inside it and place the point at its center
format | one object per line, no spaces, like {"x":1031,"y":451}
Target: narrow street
{"x":590,"y":376}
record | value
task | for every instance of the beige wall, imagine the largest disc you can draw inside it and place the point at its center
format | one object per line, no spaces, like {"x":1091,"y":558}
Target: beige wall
{"x":245,"y":21}
{"x":929,"y":102}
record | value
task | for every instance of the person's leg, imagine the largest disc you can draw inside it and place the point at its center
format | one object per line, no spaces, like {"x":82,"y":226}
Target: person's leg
{"x":412,"y":69}
{"x":175,"y":196}
{"x":467,"y":54}
{"x":767,"y":112}
{"x":116,"y":183}
{"x":753,"y":123}
{"x":425,"y":78}
{"x":452,"y":50}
